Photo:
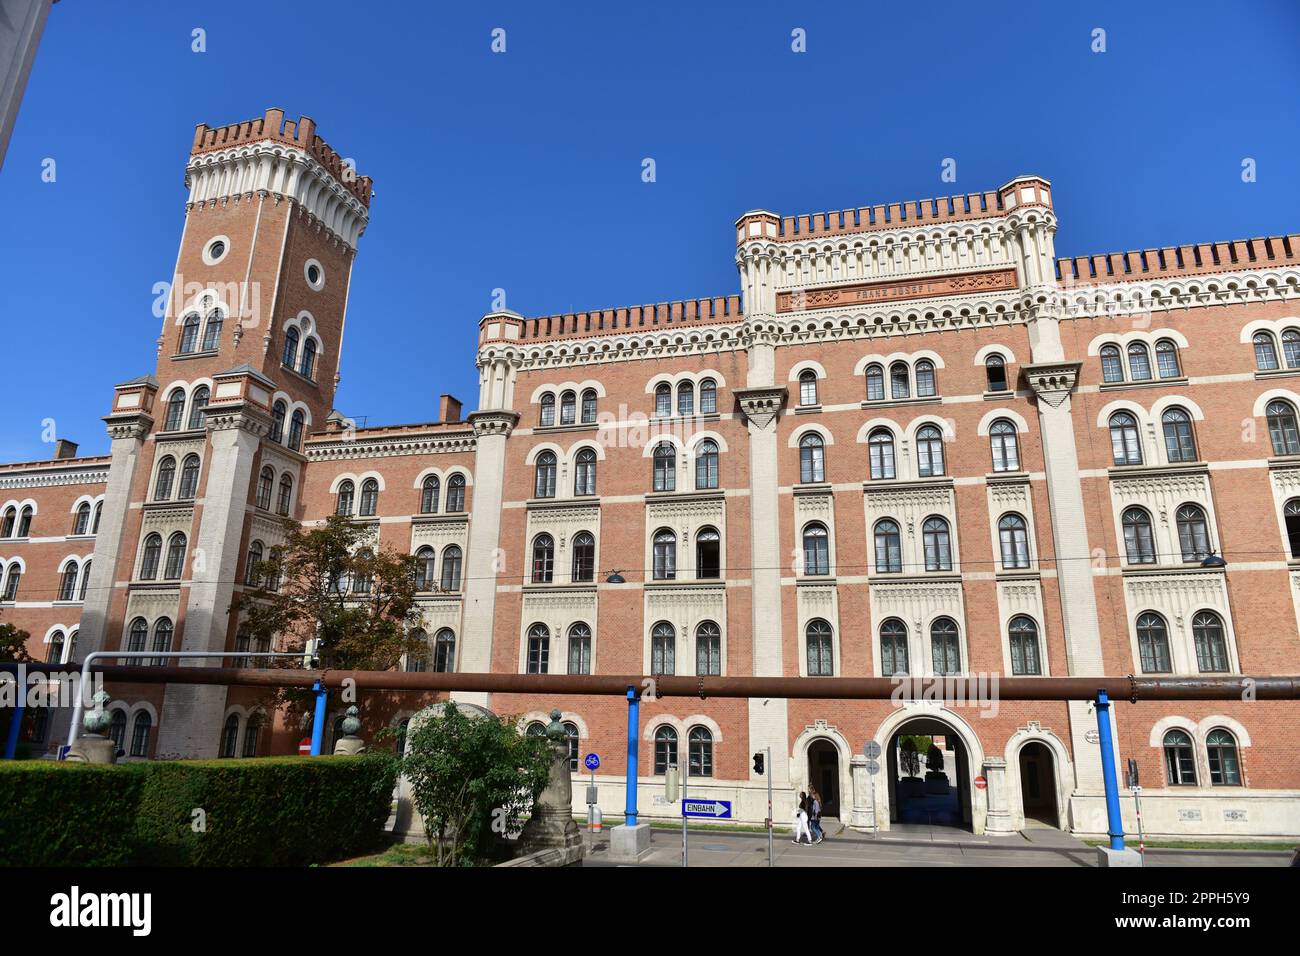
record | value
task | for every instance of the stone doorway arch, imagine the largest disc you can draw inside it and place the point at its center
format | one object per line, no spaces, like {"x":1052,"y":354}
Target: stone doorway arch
{"x":821,"y":751}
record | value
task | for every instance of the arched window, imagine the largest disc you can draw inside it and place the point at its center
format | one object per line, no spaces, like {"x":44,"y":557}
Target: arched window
{"x":571,"y":735}
{"x":1013,"y":537}
{"x":1291,"y":518}
{"x":81,"y":523}
{"x":256,"y":552}
{"x":1125,"y":443}
{"x":817,"y":635}
{"x":889,"y":547}
{"x":252,"y":732}
{"x":429,"y":495}
{"x":1211,"y":645}
{"x":137,"y":637}
{"x":55,"y":655}
{"x":10,"y":523}
{"x":665,"y":750}
{"x":568,"y":408}
{"x":290,"y":356}
{"x":1112,"y":368}
{"x":685,"y":399}
{"x":875,"y":383}
{"x":925,"y":384}
{"x":893,"y":647}
{"x":543,"y":559}
{"x":816,"y":549}
{"x":937,"y":543}
{"x":1006,"y":448}
{"x":665,"y":467}
{"x":812,"y":458}
{"x":175,"y":410}
{"x":1291,"y":348}
{"x":1139,"y":543}
{"x":175,"y":557}
{"x":589,"y":407}
{"x":451,"y":565}
{"x":189,"y":485}
{"x":85,"y":581}
{"x":708,"y":397}
{"x":162,"y":640}
{"x":297,"y":421}
{"x":12,"y":578}
{"x":708,"y":649}
{"x":162,"y":486}
{"x":1193,"y":532}
{"x":539,"y":649}
{"x":68,"y":582}
{"x":99,"y":510}
{"x":665,"y":555}
{"x":706,"y":465}
{"x":579,"y":649}
{"x":369,"y":498}
{"x":455,"y":494}
{"x":417,"y":656}
{"x":547,"y":410}
{"x":230,"y":736}
{"x":150,"y":556}
{"x":70,"y":656}
{"x":278,"y":413}
{"x":1153,"y":643}
{"x":347,"y":490}
{"x":1023,"y":635}
{"x":444,"y":651}
{"x":808,"y":387}
{"x":117,"y":730}
{"x":1167,"y":359}
{"x":308,"y":367}
{"x":880,"y":444}
{"x":1265,"y":351}
{"x":1282,"y":428}
{"x":197,"y":404}
{"x":1221,"y":748}
{"x":25,"y":522}
{"x":190,"y":334}
{"x":708,"y":553}
{"x":663,"y":650}
{"x":929,"y":451}
{"x":584,"y":556}
{"x":544,"y":483}
{"x":663,"y":400}
{"x":944,"y":647}
{"x":995,"y":371}
{"x":1180,"y":759}
{"x":286,"y":494}
{"x":899,"y":381}
{"x":425,"y":562}
{"x":584,"y":472}
{"x":265,"y":482}
{"x":700,"y":750}
{"x":1139,"y":362}
{"x":1180,"y":444}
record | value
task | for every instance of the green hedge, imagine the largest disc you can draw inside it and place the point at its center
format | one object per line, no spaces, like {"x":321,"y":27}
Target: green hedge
{"x":271,"y":811}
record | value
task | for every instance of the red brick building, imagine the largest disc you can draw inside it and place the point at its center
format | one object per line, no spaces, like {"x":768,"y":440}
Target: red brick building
{"x":916,"y":441}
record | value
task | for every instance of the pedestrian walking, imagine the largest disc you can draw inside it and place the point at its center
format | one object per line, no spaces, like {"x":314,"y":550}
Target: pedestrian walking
{"x":801,"y":829}
{"x":815,"y":815}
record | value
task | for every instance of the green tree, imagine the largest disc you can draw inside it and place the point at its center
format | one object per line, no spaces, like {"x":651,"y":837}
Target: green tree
{"x":908,"y":757}
{"x":472,"y":776}
{"x":13,"y":644}
{"x":934,"y":759}
{"x":329,"y":591}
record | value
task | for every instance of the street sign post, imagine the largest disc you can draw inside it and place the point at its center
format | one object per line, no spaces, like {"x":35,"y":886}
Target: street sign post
{"x":981,"y":783}
{"x":871,"y":750}
{"x":592,"y":763}
{"x":711,"y":809}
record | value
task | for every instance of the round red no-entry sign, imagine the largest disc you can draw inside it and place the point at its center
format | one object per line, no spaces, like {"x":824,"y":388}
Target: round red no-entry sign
{"x":304,"y":747}
{"x":980,"y":783}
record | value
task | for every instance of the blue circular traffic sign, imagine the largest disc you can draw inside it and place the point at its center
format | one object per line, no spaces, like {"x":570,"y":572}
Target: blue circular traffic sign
{"x":592,"y":762}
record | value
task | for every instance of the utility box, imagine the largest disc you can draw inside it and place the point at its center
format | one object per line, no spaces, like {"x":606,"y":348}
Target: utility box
{"x":591,"y":795}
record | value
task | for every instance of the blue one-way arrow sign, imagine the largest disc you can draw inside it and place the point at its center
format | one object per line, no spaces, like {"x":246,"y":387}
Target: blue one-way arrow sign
{"x":716,"y":809}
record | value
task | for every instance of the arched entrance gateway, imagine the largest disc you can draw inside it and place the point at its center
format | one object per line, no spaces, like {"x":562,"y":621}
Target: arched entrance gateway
{"x":824,"y":774}
{"x":928,"y":775}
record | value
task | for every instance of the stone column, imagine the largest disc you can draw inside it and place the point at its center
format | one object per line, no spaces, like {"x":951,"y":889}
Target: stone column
{"x":551,"y":826}
{"x":997,"y":819}
{"x":863,"y":814}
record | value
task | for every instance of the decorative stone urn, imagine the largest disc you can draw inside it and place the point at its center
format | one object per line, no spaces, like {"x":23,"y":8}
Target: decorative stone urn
{"x":94,"y":746}
{"x":350,"y":743}
{"x":551,"y":826}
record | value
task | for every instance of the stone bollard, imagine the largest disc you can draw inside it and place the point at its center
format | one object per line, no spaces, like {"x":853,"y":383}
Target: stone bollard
{"x":350,"y":743}
{"x":94,"y":746}
{"x":551,"y":826}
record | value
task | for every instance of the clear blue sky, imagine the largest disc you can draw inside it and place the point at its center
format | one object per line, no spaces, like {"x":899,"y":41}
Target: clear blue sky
{"x":522,"y":170}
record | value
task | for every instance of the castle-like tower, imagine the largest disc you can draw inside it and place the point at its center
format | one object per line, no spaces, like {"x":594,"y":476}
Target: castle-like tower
{"x":209,"y":449}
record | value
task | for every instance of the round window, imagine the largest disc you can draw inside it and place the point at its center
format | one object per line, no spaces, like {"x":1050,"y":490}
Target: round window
{"x":314,"y":272}
{"x":216,"y":250}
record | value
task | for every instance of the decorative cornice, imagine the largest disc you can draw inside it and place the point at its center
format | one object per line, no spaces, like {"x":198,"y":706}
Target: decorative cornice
{"x":388,"y":446}
{"x":48,"y":478}
{"x":761,"y":405}
{"x":240,"y":417}
{"x":495,"y":422}
{"x":1052,"y":382}
{"x":135,"y":425}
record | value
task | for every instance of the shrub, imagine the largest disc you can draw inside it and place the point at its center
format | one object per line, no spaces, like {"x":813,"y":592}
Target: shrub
{"x":66,"y":814}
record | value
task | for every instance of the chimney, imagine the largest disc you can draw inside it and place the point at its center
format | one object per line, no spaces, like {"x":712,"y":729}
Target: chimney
{"x":448,"y":409}
{"x":65,"y":449}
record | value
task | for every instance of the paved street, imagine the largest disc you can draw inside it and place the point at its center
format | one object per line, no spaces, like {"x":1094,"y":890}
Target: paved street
{"x":908,"y":845}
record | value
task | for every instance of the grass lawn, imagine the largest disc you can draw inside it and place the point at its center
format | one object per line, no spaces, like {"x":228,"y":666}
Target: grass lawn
{"x":1280,"y":846}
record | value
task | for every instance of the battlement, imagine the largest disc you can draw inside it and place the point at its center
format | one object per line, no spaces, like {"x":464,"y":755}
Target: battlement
{"x":1022,"y":191}
{"x":635,"y":318}
{"x":275,"y":128}
{"x":1173,"y":261}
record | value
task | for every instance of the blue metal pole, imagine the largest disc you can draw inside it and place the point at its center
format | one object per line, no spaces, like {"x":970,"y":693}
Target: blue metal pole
{"x":633,"y":734}
{"x":16,"y":723}
{"x":1114,"y":822}
{"x":318,"y":722}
